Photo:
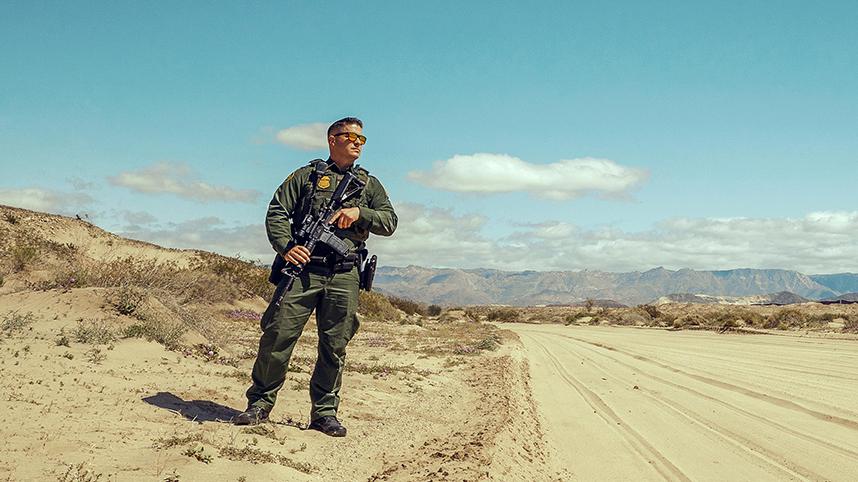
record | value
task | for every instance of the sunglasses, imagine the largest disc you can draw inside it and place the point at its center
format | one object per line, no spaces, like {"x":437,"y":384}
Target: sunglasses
{"x":352,"y":136}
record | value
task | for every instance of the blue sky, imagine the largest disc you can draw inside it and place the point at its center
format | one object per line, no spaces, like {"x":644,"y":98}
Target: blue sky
{"x":725,"y":132}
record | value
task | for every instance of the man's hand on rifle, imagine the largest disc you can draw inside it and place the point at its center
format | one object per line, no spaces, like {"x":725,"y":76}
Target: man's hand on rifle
{"x":297,"y":255}
{"x":345,"y":217}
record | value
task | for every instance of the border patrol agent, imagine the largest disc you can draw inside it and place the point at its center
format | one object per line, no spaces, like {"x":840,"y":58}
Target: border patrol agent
{"x":328,"y":284}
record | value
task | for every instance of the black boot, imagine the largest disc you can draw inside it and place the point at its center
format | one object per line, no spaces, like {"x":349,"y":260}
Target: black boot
{"x":251,"y":416}
{"x":328,"y":426}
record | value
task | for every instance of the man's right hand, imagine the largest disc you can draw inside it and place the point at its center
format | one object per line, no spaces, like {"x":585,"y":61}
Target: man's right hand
{"x":297,"y":255}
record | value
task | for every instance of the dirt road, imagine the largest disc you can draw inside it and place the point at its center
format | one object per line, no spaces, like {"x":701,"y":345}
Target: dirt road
{"x":636,"y":404}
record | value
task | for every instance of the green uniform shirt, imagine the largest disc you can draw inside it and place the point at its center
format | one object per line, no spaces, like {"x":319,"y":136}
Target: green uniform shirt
{"x":376,"y":212}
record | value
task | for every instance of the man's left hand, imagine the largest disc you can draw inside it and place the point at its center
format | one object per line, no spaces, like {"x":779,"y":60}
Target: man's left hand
{"x":345,"y":217}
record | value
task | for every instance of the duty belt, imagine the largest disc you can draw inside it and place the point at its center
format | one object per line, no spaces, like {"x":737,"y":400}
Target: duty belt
{"x":332,"y":263}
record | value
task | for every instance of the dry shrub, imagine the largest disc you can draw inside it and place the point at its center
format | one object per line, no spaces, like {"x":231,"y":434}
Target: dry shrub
{"x":408,"y":306}
{"x":128,"y":299}
{"x":162,"y":330}
{"x":432,"y":310}
{"x":690,"y":319}
{"x":737,"y":316}
{"x":472,"y":314}
{"x":851,"y":325}
{"x":786,"y":318}
{"x":376,"y":307}
{"x":504,"y":315}
{"x":21,"y":256}
{"x":15,"y":322}
{"x":96,"y":332}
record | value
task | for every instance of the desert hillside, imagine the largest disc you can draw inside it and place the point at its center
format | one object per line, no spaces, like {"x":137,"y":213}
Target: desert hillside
{"x":121,"y":360}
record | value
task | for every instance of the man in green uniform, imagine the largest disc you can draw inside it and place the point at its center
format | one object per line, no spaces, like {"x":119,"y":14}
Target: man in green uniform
{"x":328,"y":284}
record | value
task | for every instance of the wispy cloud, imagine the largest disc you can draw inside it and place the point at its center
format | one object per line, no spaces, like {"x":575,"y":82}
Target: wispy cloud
{"x":178,"y":179}
{"x":497,"y":173}
{"x":309,"y":137}
{"x":820,"y":242}
{"x":37,"y":199}
{"x":208,"y":233}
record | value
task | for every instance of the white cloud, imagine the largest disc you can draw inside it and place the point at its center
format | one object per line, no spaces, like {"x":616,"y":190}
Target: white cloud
{"x":165,"y":177}
{"x":46,"y":201}
{"x":309,"y":137}
{"x":822,"y":242}
{"x":496,"y":173}
{"x":209,"y":234}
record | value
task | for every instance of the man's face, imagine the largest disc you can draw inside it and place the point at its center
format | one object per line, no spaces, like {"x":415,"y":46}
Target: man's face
{"x":342,"y":148}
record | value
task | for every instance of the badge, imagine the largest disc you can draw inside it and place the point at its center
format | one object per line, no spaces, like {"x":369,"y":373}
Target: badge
{"x":324,"y":182}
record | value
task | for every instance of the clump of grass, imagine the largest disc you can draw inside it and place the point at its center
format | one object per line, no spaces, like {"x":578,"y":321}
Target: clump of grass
{"x":260,"y":430}
{"x":95,"y":332}
{"x":198,"y":453}
{"x":504,"y":315}
{"x":79,"y":473}
{"x":16,"y":322}
{"x":164,"y":331}
{"x":176,"y":440}
{"x":376,"y":307}
{"x":257,"y":456}
{"x":128,"y":299}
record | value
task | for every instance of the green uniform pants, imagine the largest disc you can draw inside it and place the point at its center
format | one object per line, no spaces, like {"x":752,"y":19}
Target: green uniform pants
{"x":335,"y":299}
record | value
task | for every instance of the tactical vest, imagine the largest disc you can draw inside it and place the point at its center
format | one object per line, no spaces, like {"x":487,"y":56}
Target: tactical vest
{"x":318,"y":191}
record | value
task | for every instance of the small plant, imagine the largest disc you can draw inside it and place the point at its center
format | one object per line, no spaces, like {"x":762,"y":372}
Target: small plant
{"x":491,"y":343}
{"x":433,"y":310}
{"x":62,"y":339}
{"x":15,"y":322}
{"x":95,"y":332}
{"x":128,"y":299}
{"x":176,"y":440}
{"x":22,"y":256}
{"x":68,"y":355}
{"x":199,"y":454}
{"x":173,"y":477}
{"x":79,"y":473}
{"x":163,"y":331}
{"x":10,"y":218}
{"x":95,"y":355}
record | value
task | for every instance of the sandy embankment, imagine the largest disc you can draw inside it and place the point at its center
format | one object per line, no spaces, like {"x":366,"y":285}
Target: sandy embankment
{"x":635,"y":404}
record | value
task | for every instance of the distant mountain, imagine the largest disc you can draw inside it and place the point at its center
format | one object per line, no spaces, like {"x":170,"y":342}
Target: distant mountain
{"x":780,"y":298}
{"x":488,"y":286}
{"x":841,"y":282}
{"x":853,"y":297}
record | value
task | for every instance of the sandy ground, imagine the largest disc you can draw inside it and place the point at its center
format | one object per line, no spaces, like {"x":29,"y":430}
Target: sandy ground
{"x":133,"y":410}
{"x":641,"y":404}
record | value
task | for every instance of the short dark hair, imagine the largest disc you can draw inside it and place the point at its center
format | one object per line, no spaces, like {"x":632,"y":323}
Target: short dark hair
{"x":345,"y":121}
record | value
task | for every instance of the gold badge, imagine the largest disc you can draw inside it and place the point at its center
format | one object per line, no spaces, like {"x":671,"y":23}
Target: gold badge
{"x":324,"y":182}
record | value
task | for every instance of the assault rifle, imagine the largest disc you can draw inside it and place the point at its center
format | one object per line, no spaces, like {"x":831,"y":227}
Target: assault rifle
{"x":318,"y":229}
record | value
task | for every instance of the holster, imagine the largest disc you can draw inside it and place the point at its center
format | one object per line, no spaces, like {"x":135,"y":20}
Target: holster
{"x":366,"y":270}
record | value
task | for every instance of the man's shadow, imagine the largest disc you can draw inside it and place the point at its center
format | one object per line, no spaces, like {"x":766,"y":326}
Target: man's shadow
{"x":193,"y":410}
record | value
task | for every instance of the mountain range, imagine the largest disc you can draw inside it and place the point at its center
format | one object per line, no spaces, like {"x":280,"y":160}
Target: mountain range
{"x":449,"y":286}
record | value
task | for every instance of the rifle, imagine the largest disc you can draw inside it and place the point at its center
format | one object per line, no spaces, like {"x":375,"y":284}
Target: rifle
{"x":318,"y":229}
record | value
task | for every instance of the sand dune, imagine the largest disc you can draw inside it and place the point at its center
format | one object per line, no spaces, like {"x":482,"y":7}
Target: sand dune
{"x":633,"y":404}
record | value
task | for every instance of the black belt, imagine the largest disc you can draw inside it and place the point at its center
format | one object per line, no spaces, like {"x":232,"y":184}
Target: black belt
{"x":332,"y":263}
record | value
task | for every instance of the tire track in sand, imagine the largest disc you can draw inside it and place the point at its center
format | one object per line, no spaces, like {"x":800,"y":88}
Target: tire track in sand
{"x":852,"y":424}
{"x":773,"y":460}
{"x":645,"y":450}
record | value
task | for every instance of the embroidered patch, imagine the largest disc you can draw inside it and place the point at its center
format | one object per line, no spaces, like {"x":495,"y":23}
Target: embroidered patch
{"x":324,"y":182}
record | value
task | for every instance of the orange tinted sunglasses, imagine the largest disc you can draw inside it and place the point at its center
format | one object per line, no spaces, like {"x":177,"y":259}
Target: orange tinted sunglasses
{"x":352,"y":136}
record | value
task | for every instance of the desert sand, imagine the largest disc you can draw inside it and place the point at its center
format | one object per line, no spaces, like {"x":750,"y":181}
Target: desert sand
{"x":622,"y":403}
